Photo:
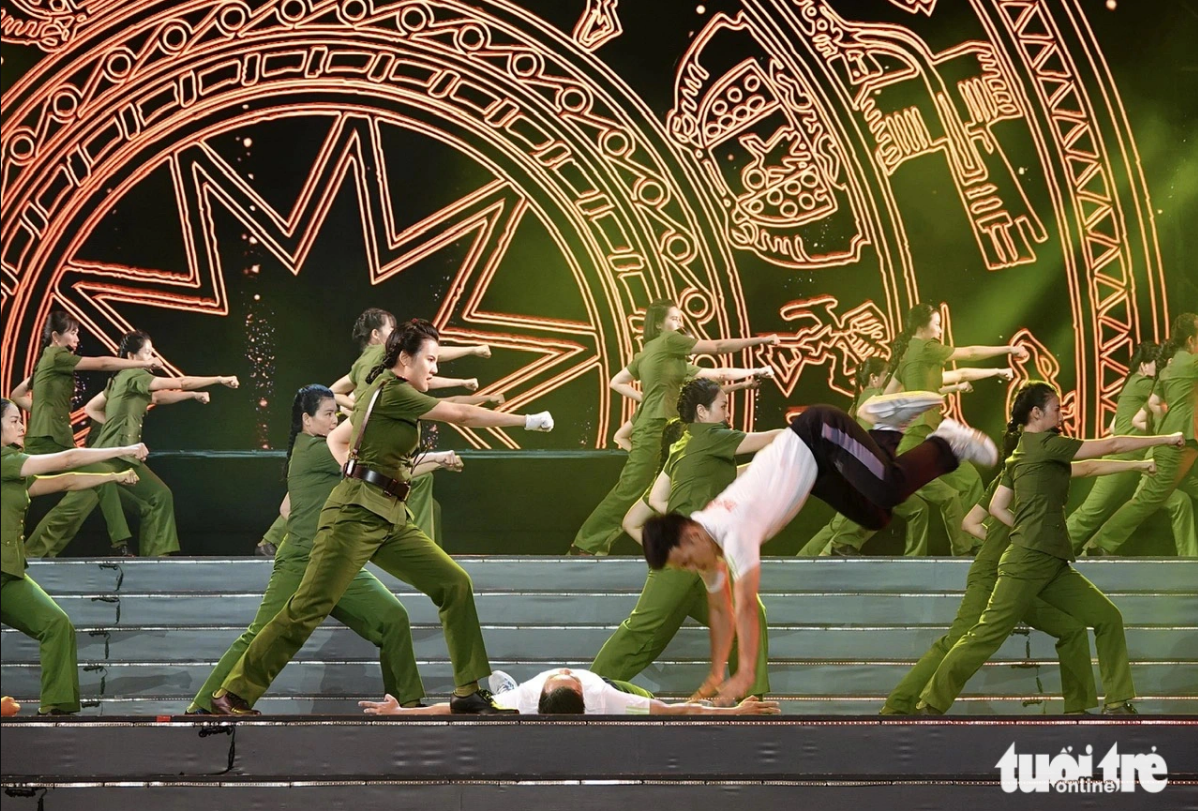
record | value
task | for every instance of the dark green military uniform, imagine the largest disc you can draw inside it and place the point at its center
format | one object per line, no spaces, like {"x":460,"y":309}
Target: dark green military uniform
{"x":359,"y":523}
{"x":129,"y":397}
{"x":700,"y":466}
{"x":1036,"y":564}
{"x":662,"y":368}
{"x":922,"y":369}
{"x":50,"y":432}
{"x":1073,"y":641}
{"x":1176,"y":468}
{"x":23,"y":604}
{"x":913,"y":511}
{"x":421,"y":503}
{"x":1109,"y":493}
{"x":367,"y":607}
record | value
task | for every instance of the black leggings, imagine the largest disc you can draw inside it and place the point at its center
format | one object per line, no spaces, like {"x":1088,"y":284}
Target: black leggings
{"x":859,"y":474}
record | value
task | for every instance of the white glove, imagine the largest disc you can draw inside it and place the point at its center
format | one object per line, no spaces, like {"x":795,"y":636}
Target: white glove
{"x":538,"y":422}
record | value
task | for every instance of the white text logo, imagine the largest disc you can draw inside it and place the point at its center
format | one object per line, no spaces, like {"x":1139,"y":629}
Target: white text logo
{"x":1068,"y":774}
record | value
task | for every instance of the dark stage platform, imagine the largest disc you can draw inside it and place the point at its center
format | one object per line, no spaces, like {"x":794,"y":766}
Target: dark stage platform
{"x":594,"y":762}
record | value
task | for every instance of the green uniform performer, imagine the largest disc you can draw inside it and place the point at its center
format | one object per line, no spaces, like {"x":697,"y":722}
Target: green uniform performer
{"x":700,"y":466}
{"x":128,"y":398}
{"x":922,"y":369}
{"x":1073,"y":641}
{"x":360,"y":522}
{"x":1110,"y":492}
{"x":50,"y":432}
{"x":367,"y":607}
{"x":23,"y":604}
{"x":662,"y":368}
{"x":913,"y":511}
{"x":421,"y":503}
{"x":1036,"y":564}
{"x":1175,"y":467}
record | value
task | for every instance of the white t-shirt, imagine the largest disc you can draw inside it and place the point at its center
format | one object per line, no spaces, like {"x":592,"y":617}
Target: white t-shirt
{"x":599,"y":697}
{"x":756,"y":506}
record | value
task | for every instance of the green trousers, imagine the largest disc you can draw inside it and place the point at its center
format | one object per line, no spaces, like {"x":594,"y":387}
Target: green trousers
{"x":1073,"y":646}
{"x":349,"y":537}
{"x":367,"y":608}
{"x":630,"y":688}
{"x":667,"y":599}
{"x":1023,"y":575}
{"x":155,"y":506}
{"x":24,"y":606}
{"x":105,"y":495}
{"x":1175,"y":470}
{"x":423,"y":507}
{"x":914,"y":511}
{"x":1109,"y":493}
{"x":944,"y":496}
{"x":603,"y":526}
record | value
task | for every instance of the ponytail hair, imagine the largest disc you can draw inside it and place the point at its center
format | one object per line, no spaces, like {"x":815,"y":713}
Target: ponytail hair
{"x":1031,"y":394}
{"x":1184,"y":327}
{"x":407,"y":338}
{"x":655,"y":314}
{"x":673,"y":432}
{"x":370,"y":320}
{"x":307,"y":401}
{"x":918,"y":317}
{"x":1141,"y":353}
{"x":57,"y":321}
{"x":131,"y":344}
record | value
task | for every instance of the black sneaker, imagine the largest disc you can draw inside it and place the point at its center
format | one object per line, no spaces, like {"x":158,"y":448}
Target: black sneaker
{"x":843,"y":550}
{"x":265,"y":550}
{"x":122,"y":551}
{"x":927,"y":709}
{"x":480,"y":702}
{"x":1126,"y":708}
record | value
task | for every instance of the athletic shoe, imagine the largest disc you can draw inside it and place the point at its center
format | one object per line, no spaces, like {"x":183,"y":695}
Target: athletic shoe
{"x":480,"y":702}
{"x":968,"y":444}
{"x":500,"y":682}
{"x":895,"y":412}
{"x":266,"y":549}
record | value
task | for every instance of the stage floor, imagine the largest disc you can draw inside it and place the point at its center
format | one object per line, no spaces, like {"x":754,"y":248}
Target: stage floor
{"x":591,"y":762}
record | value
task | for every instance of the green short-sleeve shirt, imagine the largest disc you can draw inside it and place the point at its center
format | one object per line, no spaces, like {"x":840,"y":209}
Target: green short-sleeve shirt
{"x":998,"y":534}
{"x":662,"y":368}
{"x":1040,"y":471}
{"x":704,"y":465}
{"x":312,"y":474}
{"x":53,"y":388}
{"x":371,"y":356}
{"x":14,"y":501}
{"x":1134,"y":396}
{"x":1178,"y":387}
{"x":922,"y":369}
{"x":129,"y":397}
{"x":391,"y":440}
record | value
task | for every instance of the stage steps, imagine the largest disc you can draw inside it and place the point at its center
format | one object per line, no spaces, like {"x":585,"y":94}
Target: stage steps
{"x":842,"y":632}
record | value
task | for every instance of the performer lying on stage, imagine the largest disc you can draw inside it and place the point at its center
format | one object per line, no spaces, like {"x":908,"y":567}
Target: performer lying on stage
{"x":576,"y":692}
{"x":827,"y":454}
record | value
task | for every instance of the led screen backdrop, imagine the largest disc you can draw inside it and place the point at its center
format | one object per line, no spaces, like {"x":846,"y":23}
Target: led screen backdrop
{"x":242,"y":177}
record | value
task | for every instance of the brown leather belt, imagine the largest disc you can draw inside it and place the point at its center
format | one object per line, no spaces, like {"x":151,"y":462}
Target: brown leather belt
{"x":392,"y":487}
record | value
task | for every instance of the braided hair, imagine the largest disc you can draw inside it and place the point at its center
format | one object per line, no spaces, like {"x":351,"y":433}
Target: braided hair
{"x":655,"y":316}
{"x":307,"y":401}
{"x":918,"y":317}
{"x":131,"y":344}
{"x":407,"y":338}
{"x":1031,"y":394}
{"x":872,"y":367}
{"x":59,"y":321}
{"x":370,"y":320}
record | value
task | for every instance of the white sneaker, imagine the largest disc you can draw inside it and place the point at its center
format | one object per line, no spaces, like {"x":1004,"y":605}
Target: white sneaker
{"x":894,"y":412}
{"x":968,"y":444}
{"x":500,"y":682}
